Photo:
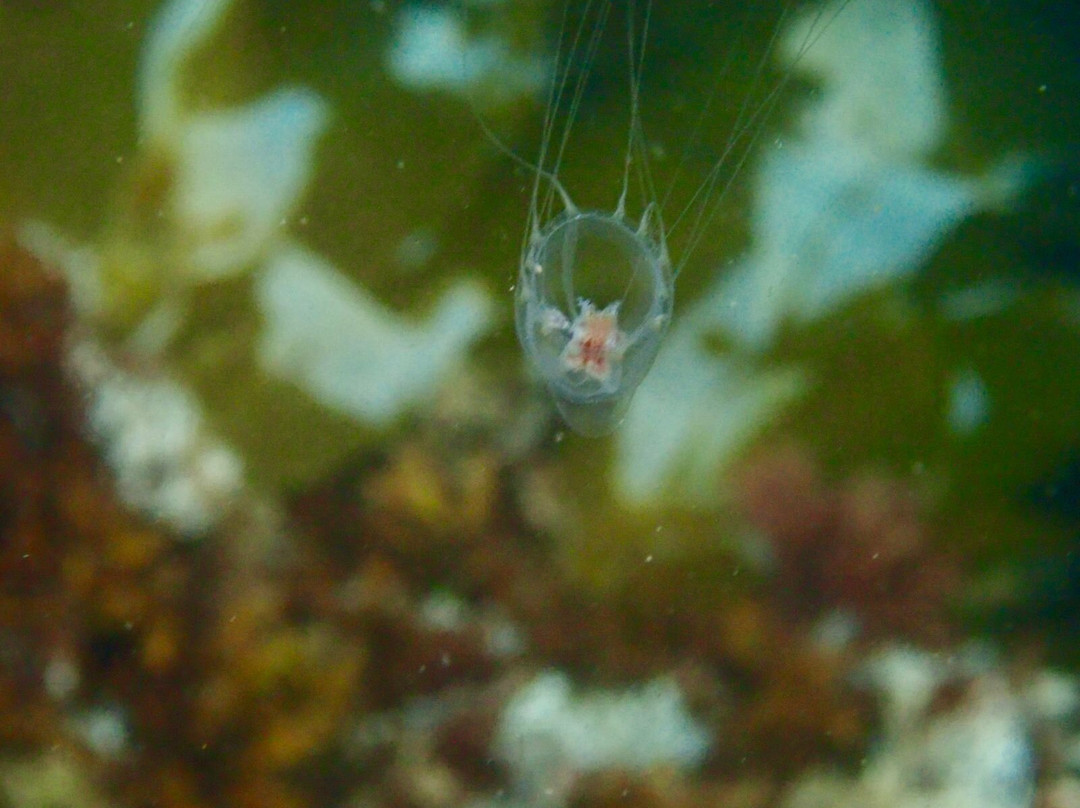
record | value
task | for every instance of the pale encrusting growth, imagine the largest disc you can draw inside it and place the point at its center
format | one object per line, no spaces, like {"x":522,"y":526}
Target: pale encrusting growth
{"x":550,"y":736}
{"x":166,"y":462}
{"x":980,"y":752}
{"x":388,"y":362}
{"x":238,"y":172}
{"x":434,"y":49}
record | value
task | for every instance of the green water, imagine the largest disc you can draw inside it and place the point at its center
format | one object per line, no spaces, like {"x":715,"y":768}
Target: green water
{"x":396,"y":164}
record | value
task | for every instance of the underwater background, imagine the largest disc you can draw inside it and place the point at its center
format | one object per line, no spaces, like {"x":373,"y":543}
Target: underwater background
{"x":287,"y":519}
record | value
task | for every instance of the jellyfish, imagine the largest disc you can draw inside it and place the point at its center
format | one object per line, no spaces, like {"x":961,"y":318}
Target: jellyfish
{"x":593,"y":301}
{"x":595,"y":289}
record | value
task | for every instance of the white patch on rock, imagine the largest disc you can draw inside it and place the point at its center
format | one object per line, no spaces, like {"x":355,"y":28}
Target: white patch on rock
{"x":239,"y":173}
{"x":434,"y":50}
{"x":329,"y":337}
{"x":549,"y":735}
{"x":164,"y":460}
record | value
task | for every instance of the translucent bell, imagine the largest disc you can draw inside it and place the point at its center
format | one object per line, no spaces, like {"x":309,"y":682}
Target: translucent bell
{"x":594,"y":299}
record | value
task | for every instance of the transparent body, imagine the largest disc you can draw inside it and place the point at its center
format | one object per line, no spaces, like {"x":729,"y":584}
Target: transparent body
{"x":594,"y":299}
{"x":595,"y":291}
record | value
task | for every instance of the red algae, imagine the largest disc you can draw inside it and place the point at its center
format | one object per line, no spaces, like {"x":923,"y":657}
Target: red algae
{"x":862,"y":547}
